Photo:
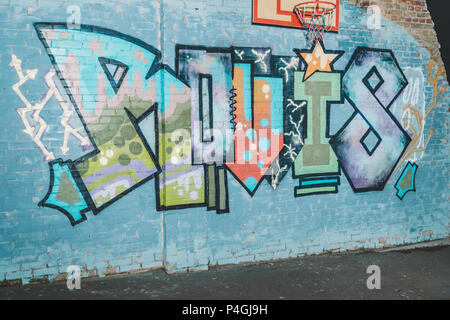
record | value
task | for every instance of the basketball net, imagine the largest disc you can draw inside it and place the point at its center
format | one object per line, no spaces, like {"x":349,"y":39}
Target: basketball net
{"x":316,"y":17}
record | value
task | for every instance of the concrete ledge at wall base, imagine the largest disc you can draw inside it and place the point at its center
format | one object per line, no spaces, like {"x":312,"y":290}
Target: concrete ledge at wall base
{"x":419,"y":245}
{"x":62,"y":277}
{"x":90,"y":274}
{"x":187,"y":269}
{"x":425,"y":244}
{"x":230,"y":262}
{"x":11,"y":283}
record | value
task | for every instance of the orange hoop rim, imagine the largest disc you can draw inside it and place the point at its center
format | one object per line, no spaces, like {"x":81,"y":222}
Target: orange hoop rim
{"x":298,"y":9}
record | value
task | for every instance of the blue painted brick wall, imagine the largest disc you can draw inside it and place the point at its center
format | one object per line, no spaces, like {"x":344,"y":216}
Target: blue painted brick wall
{"x":38,"y":242}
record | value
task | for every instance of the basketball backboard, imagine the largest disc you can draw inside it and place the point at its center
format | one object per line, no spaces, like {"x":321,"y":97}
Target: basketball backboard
{"x":281,"y":12}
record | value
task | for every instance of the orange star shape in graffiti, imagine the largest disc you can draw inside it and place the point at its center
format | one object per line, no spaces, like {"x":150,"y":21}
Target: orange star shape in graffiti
{"x":318,"y":59}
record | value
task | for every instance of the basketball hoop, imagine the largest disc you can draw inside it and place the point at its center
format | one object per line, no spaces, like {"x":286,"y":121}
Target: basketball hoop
{"x":316,"y":16}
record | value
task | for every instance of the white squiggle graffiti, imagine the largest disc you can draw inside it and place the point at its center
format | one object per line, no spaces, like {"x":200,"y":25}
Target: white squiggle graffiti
{"x":261,"y":57}
{"x":287,"y":65}
{"x":68,"y":130}
{"x":296,"y":135}
{"x":290,"y":151}
{"x":296,"y":106}
{"x":239,"y":54}
{"x":37,"y":108}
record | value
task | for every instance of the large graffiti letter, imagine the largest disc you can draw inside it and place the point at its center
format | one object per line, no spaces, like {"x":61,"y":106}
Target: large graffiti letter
{"x":316,"y":165}
{"x":209,"y":74}
{"x":106,"y":76}
{"x":259,"y":116}
{"x":370,"y":144}
{"x":180,"y":184}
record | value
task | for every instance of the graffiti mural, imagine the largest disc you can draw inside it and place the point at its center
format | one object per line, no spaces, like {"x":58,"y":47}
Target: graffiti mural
{"x":238,"y":113}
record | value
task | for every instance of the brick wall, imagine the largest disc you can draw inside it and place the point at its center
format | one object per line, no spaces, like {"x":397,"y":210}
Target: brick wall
{"x":148,"y":222}
{"x":414,"y":17}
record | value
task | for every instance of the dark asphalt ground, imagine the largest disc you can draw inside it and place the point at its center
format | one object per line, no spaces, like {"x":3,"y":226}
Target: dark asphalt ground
{"x":412,"y":274}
